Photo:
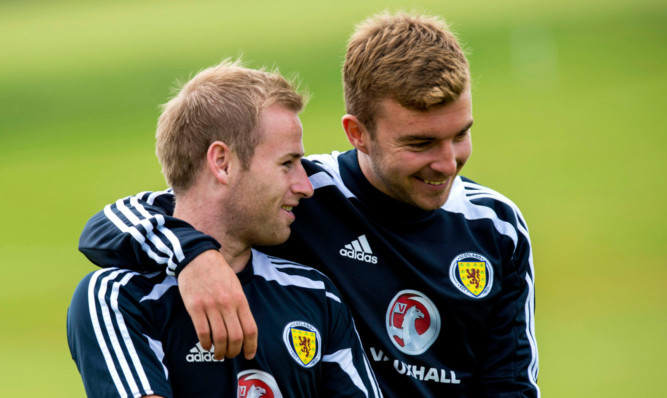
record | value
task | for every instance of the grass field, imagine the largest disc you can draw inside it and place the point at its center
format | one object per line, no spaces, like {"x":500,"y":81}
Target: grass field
{"x":569,"y":123}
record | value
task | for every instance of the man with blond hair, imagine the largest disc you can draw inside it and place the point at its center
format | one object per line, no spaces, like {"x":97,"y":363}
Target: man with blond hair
{"x":436,"y":268}
{"x":230,"y":146}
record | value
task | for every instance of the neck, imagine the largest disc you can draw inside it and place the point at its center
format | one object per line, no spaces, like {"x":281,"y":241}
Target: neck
{"x":207,"y":216}
{"x":367,"y":171}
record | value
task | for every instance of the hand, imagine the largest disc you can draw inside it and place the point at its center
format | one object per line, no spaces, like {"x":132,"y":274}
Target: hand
{"x":213,"y":296}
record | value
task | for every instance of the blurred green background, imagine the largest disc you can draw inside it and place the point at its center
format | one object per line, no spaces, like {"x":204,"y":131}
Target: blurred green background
{"x":569,"y":101}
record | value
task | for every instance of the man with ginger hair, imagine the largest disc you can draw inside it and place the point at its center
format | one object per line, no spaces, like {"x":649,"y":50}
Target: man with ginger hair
{"x":437,"y":269}
{"x":230,"y":146}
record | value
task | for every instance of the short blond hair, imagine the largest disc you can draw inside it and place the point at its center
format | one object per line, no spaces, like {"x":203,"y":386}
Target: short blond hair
{"x":413,"y":59}
{"x":221,"y":103}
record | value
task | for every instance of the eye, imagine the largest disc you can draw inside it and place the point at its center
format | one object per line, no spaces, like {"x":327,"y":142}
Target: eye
{"x":418,"y":145}
{"x":288,"y":164}
{"x":462,"y":135}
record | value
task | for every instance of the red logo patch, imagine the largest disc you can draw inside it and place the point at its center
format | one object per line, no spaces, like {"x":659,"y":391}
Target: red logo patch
{"x":413,"y":322}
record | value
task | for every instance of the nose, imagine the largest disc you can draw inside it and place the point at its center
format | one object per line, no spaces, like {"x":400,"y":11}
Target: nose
{"x":301,"y":185}
{"x":445,"y":159}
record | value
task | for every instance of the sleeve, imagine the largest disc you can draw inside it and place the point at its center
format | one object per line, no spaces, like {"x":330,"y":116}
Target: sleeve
{"x":346,"y":370}
{"x":510,"y":366}
{"x":140,"y":233}
{"x":108,"y":336}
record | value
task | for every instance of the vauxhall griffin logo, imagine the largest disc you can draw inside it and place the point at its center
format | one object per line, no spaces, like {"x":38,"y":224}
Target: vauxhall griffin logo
{"x":257,"y":384}
{"x":413,"y":322}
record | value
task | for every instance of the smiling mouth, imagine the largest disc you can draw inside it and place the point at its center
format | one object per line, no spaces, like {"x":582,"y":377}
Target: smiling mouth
{"x":436,"y":183}
{"x":287,"y":208}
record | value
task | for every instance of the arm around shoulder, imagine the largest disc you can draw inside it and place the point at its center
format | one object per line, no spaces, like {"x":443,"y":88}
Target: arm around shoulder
{"x":138,"y":232}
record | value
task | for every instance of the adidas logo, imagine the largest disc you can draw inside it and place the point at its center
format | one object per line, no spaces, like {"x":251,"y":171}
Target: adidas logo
{"x":198,"y":354}
{"x":359,"y":249}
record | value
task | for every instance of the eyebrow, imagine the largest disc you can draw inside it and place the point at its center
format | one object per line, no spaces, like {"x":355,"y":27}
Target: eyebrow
{"x":416,"y":137}
{"x":293,"y":155}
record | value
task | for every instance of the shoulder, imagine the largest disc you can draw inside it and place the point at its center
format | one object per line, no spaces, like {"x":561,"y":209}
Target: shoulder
{"x":323,"y":162}
{"x":477,"y":202}
{"x":162,"y":199}
{"x":111,"y":286}
{"x":112,"y":301}
{"x":324,"y":171}
{"x":485,"y":196}
{"x":290,"y":273}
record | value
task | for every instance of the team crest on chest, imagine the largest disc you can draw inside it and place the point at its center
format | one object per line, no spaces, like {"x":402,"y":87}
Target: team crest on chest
{"x":255,"y":383}
{"x":303,"y":342}
{"x":413,"y":322}
{"x":472,"y":274}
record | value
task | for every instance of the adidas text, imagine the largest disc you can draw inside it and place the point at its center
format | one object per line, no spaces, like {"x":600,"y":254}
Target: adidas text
{"x":202,"y":357}
{"x":359,"y":256}
{"x":198,"y":354}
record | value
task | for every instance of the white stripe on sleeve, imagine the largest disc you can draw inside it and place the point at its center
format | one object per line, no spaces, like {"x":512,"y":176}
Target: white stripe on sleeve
{"x":92,"y":308}
{"x":135,"y":234}
{"x":344,"y":359}
{"x":97,"y":295}
{"x":126,"y":335}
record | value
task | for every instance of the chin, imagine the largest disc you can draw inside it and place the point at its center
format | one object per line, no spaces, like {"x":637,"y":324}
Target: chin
{"x":431,"y":203}
{"x":429,"y":207}
{"x":275,"y":239}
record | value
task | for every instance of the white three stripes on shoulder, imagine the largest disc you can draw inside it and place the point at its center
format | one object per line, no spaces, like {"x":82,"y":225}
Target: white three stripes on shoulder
{"x":269,"y":270}
{"x":264,"y":268}
{"x":155,"y":231}
{"x":107,"y":328}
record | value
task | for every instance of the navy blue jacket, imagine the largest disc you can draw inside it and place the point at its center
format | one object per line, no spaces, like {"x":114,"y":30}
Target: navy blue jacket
{"x":130,"y":335}
{"x":443,"y":300}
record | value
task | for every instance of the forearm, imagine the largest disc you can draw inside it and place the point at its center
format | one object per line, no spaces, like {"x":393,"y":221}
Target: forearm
{"x":139,"y":233}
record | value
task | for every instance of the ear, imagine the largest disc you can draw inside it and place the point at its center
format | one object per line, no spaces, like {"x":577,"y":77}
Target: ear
{"x":219,"y":160}
{"x":356,"y":133}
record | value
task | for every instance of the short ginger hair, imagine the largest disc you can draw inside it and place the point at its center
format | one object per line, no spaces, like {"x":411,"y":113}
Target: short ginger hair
{"x":221,"y":103}
{"x":413,"y":59}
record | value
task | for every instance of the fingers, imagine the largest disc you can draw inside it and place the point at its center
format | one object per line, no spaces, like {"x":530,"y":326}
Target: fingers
{"x":201,"y":323}
{"x":228,"y":333}
{"x":240,"y":331}
{"x":214,"y":298}
{"x":232,"y":337}
{"x":249,"y":332}
{"x":218,"y":335}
